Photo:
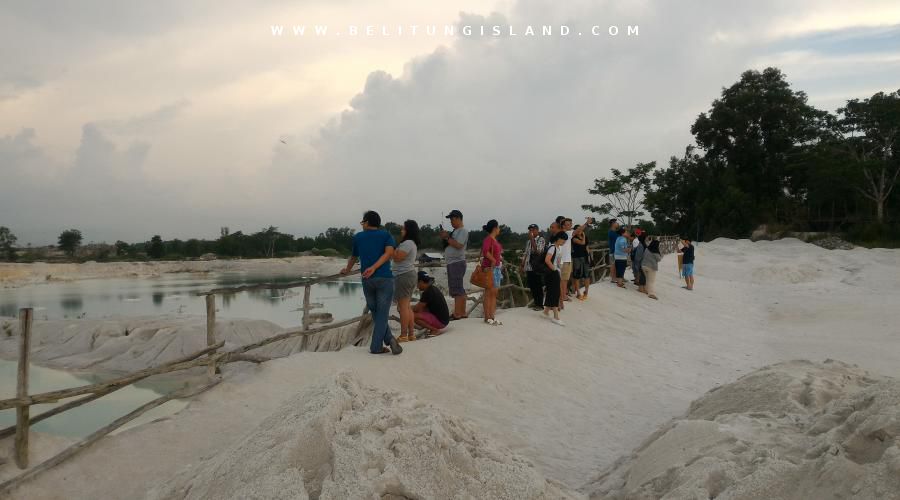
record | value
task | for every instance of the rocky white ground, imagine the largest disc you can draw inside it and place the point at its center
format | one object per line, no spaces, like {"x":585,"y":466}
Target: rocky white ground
{"x":573,"y":400}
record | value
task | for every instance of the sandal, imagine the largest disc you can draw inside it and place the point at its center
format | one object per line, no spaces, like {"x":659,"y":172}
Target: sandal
{"x":620,"y":285}
{"x":454,"y":318}
{"x":653,"y":297}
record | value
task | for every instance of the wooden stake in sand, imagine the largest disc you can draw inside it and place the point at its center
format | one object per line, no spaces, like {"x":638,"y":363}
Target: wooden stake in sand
{"x":22,"y":411}
{"x":211,"y":334}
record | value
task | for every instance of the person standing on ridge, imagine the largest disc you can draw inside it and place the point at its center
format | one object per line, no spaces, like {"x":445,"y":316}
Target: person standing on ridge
{"x":687,"y":263}
{"x":455,"y":257}
{"x":621,"y":249}
{"x":612,"y":235}
{"x":374,"y":247}
{"x":492,"y":258}
{"x":581,"y":269}
{"x":405,"y":277}
{"x":532,"y":265}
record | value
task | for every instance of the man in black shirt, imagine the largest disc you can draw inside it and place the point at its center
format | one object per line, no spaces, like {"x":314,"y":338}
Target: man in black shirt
{"x":431,"y":311}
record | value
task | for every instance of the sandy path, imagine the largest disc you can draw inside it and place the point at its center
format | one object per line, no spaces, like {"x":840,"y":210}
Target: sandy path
{"x":571,"y":399}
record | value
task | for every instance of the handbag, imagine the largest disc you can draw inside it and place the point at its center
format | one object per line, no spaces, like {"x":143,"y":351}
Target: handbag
{"x":482,"y":278}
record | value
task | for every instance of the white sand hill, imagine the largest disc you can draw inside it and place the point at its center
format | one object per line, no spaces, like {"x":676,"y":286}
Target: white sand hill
{"x":342,"y":440}
{"x":573,"y":400}
{"x":795,"y":430}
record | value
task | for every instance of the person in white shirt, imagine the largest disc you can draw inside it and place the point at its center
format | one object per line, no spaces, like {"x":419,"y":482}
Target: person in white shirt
{"x":553,"y":261}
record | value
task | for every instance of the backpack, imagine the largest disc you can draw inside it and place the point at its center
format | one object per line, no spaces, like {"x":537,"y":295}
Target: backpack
{"x":536,"y":260}
{"x":542,"y":266}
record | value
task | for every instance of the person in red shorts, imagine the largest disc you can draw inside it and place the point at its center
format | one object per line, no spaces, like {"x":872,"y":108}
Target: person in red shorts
{"x":431,"y":311}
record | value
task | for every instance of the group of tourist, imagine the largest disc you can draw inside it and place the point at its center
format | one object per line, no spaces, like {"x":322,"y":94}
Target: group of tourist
{"x":645,"y":256}
{"x":557,"y":268}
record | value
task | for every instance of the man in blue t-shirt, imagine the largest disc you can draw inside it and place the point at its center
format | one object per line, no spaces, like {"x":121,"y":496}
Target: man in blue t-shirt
{"x":612,"y":235}
{"x":374,"y":247}
{"x":622,"y":248}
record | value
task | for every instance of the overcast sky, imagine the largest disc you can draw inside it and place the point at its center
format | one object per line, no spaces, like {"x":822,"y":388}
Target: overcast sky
{"x":129,"y":119}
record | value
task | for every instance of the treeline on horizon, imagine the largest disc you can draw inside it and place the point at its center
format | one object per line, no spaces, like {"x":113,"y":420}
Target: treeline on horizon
{"x":761,"y":155}
{"x":269,"y":242}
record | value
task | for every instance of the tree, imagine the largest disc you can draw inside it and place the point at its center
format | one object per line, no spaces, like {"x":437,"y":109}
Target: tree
{"x":754,"y":128}
{"x":157,"y":249}
{"x":122,"y":249}
{"x":69,"y":241}
{"x":876,"y":150}
{"x":622,"y":193}
{"x":7,"y":243}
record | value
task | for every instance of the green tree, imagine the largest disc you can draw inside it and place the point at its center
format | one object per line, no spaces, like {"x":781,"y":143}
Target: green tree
{"x":193,"y":248}
{"x":873,"y":126}
{"x":754,"y":129}
{"x":69,"y":241}
{"x":622,"y":194}
{"x":157,"y":248}
{"x":7,"y":243}
{"x":122,"y":249}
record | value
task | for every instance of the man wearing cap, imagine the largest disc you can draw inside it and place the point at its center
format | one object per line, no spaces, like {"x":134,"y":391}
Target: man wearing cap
{"x":431,"y":311}
{"x":374,"y":247}
{"x":534,"y":251}
{"x":455,"y":257}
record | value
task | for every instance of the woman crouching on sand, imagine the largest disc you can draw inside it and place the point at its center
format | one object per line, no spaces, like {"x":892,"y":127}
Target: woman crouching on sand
{"x":405,"y":278}
{"x":491,"y":253}
{"x":650,"y":265}
{"x":553,"y":260}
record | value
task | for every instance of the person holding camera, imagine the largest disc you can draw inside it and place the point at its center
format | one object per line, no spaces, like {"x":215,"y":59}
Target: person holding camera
{"x":455,"y":258}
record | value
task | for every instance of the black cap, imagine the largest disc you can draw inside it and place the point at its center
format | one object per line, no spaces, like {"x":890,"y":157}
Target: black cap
{"x":454,"y":213}
{"x":533,"y":226}
{"x":423,"y":276}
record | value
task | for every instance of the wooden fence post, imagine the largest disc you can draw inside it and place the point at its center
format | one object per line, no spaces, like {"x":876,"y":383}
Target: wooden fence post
{"x":22,"y":412}
{"x":212,"y":369}
{"x":306,"y":291}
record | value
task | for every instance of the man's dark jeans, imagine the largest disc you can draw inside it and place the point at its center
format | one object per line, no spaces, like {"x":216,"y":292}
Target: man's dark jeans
{"x":379,"y":292}
{"x":536,"y":284}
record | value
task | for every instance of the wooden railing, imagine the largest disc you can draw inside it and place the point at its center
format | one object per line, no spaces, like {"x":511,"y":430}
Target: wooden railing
{"x":512,"y":295}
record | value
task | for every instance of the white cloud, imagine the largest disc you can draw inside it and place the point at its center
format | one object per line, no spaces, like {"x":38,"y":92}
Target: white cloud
{"x":179,"y":112}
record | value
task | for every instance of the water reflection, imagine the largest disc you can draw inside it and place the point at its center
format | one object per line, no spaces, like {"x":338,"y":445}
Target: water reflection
{"x":81,"y":421}
{"x":344,"y":288}
{"x":175,"y":294}
{"x":71,"y":305}
{"x":10,"y":309}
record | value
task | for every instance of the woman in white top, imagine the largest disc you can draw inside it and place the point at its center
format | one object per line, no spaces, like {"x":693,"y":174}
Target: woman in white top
{"x":404,"y":269}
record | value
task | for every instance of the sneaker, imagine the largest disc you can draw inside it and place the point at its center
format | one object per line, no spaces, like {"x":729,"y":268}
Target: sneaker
{"x":557,"y":322}
{"x":396,"y":348}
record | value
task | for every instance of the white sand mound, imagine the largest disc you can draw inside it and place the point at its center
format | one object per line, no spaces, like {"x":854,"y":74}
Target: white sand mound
{"x":794,"y":430}
{"x":129,"y":344}
{"x":344,"y":440}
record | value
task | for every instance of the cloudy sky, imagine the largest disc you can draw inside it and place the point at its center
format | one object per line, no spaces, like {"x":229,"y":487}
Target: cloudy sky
{"x":129,"y":119}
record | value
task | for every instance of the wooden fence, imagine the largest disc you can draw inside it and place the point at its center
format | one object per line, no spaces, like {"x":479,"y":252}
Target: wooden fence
{"x":511,"y":295}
